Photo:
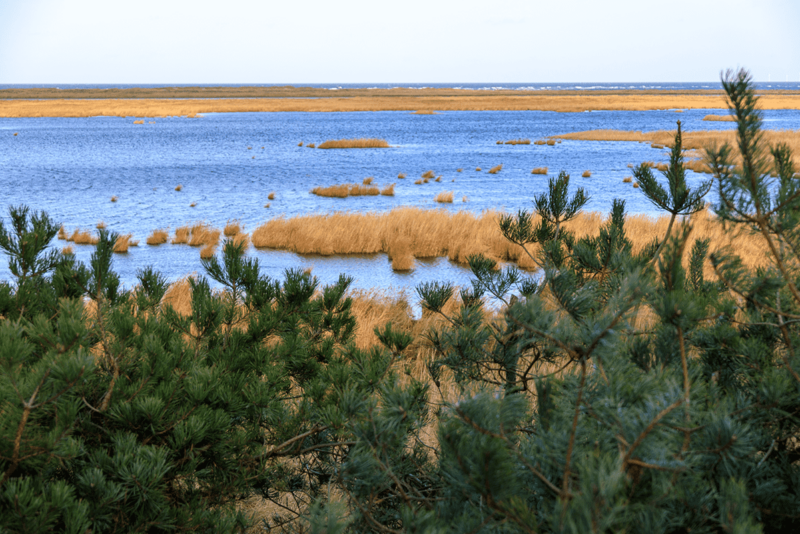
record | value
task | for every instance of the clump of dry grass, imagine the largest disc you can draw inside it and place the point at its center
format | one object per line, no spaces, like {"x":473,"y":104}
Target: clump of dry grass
{"x":298,"y":144}
{"x":16,"y":134}
{"x":271,"y":196}
{"x":551,"y":142}
{"x":424,"y":112}
{"x":630,"y":165}
{"x":499,"y":143}
{"x":719,"y":118}
{"x":243,"y":240}
{"x":138,"y":122}
{"x":67,"y":251}
{"x":311,"y":145}
{"x":83,"y":238}
{"x":656,"y":145}
{"x":518,"y":142}
{"x":539,"y":170}
{"x":62,"y":233}
{"x":438,"y":179}
{"x":444,"y":197}
{"x":459,"y":169}
{"x":178,"y":187}
{"x":496,"y":169}
{"x":232,"y":228}
{"x":428,"y":174}
{"x":368,"y":180}
{"x":203,"y":234}
{"x":122,"y":243}
{"x":267,"y":205}
{"x":627,"y":180}
{"x":418,"y":182}
{"x":101,"y":225}
{"x":636,"y":185}
{"x":207,"y":251}
{"x":181,"y":235}
{"x":157,"y":237}
{"x":388,"y":191}
{"x":478,"y":169}
{"x":540,"y":142}
{"x":464,"y":198}
{"x":345,"y":190}
{"x":354,"y":143}
{"x":586,"y":174}
{"x":193,"y":204}
{"x":401,"y":176}
{"x":114,"y":198}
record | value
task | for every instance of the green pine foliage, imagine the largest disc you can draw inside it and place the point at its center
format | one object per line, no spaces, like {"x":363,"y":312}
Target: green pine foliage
{"x":618,"y":390}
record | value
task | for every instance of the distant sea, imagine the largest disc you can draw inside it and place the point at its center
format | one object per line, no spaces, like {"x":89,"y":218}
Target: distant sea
{"x":584,"y":86}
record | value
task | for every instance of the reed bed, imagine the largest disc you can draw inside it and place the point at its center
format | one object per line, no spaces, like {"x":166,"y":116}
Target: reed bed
{"x":540,"y":142}
{"x":62,"y":233}
{"x":138,"y":122}
{"x":636,"y":185}
{"x":157,"y":237}
{"x":438,"y":179}
{"x":99,"y":104}
{"x":242,"y":240}
{"x":388,"y":191}
{"x":424,"y":112}
{"x":83,"y":237}
{"x":496,"y":169}
{"x":518,"y":142}
{"x":207,"y":251}
{"x":346,"y":190}
{"x":428,"y":174}
{"x":456,"y":235}
{"x":445,"y":197}
{"x":232,"y":228}
{"x":550,"y":142}
{"x":719,"y":118}
{"x":418,"y":182}
{"x":300,"y":143}
{"x":654,"y":145}
{"x":539,"y":170}
{"x":202,"y":235}
{"x":181,"y":235}
{"x":586,"y":174}
{"x":354,"y":143}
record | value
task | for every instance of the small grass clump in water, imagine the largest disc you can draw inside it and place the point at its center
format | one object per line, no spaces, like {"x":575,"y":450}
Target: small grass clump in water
{"x":354,"y":143}
{"x":539,"y":170}
{"x":203,"y":234}
{"x":551,"y":142}
{"x":459,"y":170}
{"x":62,"y":233}
{"x":83,"y":238}
{"x":627,"y":180}
{"x":178,"y":187}
{"x":271,"y":196}
{"x":424,"y":112}
{"x":636,"y":185}
{"x":518,"y":142}
{"x":114,"y":199}
{"x":138,"y":122}
{"x":181,"y":236}
{"x":157,"y":237}
{"x":428,"y":174}
{"x":656,"y":146}
{"x":122,"y":243}
{"x":418,"y":182}
{"x":401,"y":176}
{"x":496,"y":169}
{"x":478,"y":169}
{"x":232,"y":228}
{"x":368,"y":180}
{"x":100,"y":225}
{"x":586,"y":174}
{"x":438,"y":179}
{"x":346,"y":190}
{"x":445,"y":197}
{"x":719,"y":118}
{"x":311,"y":145}
{"x":464,"y":198}
{"x":207,"y":251}
{"x":298,"y":144}
{"x":388,"y":191}
{"x":67,"y":251}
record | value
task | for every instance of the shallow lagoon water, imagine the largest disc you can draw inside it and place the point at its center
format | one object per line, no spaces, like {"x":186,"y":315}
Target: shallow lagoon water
{"x":71,"y":167}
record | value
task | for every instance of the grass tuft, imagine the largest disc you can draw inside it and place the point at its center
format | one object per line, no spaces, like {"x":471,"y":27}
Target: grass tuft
{"x":62,"y":233}
{"x":122,"y":243}
{"x":100,"y":225}
{"x":539,"y":170}
{"x":459,"y":170}
{"x":478,"y":169}
{"x":114,"y":198}
{"x":518,"y":142}
{"x":368,"y":180}
{"x":157,"y":237}
{"x":464,"y":198}
{"x":203,"y":234}
{"x":656,"y":145}
{"x":311,"y":145}
{"x":540,"y":142}
{"x":496,"y":169}
{"x":418,"y":182}
{"x":207,"y":251}
{"x":178,"y":187}
{"x":388,"y":191}
{"x":587,"y":174}
{"x":445,"y":197}
{"x":193,"y":204}
{"x":551,"y":142}
{"x":627,"y":180}
{"x":138,"y":122}
{"x":401,"y":176}
{"x":424,"y":112}
{"x":636,"y":185}
{"x":354,"y":143}
{"x":83,"y":238}
{"x":719,"y":118}
{"x":181,"y":236}
{"x":345,"y":190}
{"x":298,"y":144}
{"x":428,"y":174}
{"x":67,"y":251}
{"x":271,"y":196}
{"x":232,"y":228}
{"x":438,"y":179}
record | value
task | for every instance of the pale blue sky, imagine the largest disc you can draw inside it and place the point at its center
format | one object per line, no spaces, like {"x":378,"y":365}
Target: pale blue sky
{"x":414,"y":41}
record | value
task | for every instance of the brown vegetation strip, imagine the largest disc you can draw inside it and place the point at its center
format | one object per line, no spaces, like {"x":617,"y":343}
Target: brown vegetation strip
{"x":347,"y":190}
{"x":439,"y":233}
{"x":381,"y":101}
{"x":354,"y":143}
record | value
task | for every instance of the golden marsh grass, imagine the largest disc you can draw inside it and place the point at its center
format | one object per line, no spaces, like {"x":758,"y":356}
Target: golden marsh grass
{"x":138,"y":122}
{"x":114,"y":199}
{"x":719,"y":118}
{"x":67,"y":251}
{"x":444,"y":197}
{"x":518,"y":142}
{"x":311,"y":145}
{"x":202,"y":235}
{"x":232,"y":228}
{"x":83,"y":237}
{"x":354,"y":143}
{"x":478,"y":169}
{"x":456,"y":235}
{"x":122,"y":244}
{"x":539,"y":170}
{"x":388,"y":191}
{"x":459,"y":170}
{"x":636,"y":185}
{"x":346,"y":190}
{"x":101,"y":225}
{"x":62,"y":233}
{"x":271,"y":196}
{"x":157,"y":237}
{"x":424,"y":112}
{"x":428,"y":174}
{"x":586,"y":174}
{"x":181,"y":235}
{"x":368,"y":180}
{"x":178,"y":187}
{"x":401,"y":176}
{"x":496,"y":169}
{"x":189,"y":102}
{"x":207,"y":251}
{"x":627,"y":180}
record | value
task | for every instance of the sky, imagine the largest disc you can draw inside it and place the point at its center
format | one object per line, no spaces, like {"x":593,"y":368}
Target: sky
{"x":411,"y":41}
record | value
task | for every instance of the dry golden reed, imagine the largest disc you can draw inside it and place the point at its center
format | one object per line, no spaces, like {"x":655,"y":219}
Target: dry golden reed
{"x":138,"y":122}
{"x":346,"y":190}
{"x":67,"y":251}
{"x":271,"y":196}
{"x":101,"y":225}
{"x":444,"y":197}
{"x":518,"y":142}
{"x":144,"y":102}
{"x":232,"y":228}
{"x":438,"y":179}
{"x":388,"y":191}
{"x":464,"y":198}
{"x":459,"y":169}
{"x":540,"y":142}
{"x":298,"y":144}
{"x":62,"y":233}
{"x":401,"y":176}
{"x":586,"y":174}
{"x":496,"y":169}
{"x":418,"y":182}
{"x":114,"y":199}
{"x":83,"y":238}
{"x":428,"y":174}
{"x":157,"y":237}
{"x":539,"y":170}
{"x":368,"y":180}
{"x":550,"y":142}
{"x":354,"y":143}
{"x":122,"y":243}
{"x":202,"y":234}
{"x":193,"y":204}
{"x":456,"y":235}
{"x":181,"y":236}
{"x":719,"y":118}
{"x":627,"y":180}
{"x":207,"y":251}
{"x":654,"y":145}
{"x":178,"y":187}
{"x":636,"y":185}
{"x":424,"y":112}
{"x":311,"y":145}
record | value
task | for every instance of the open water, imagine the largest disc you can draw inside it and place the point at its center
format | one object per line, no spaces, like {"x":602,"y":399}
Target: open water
{"x":228,"y":163}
